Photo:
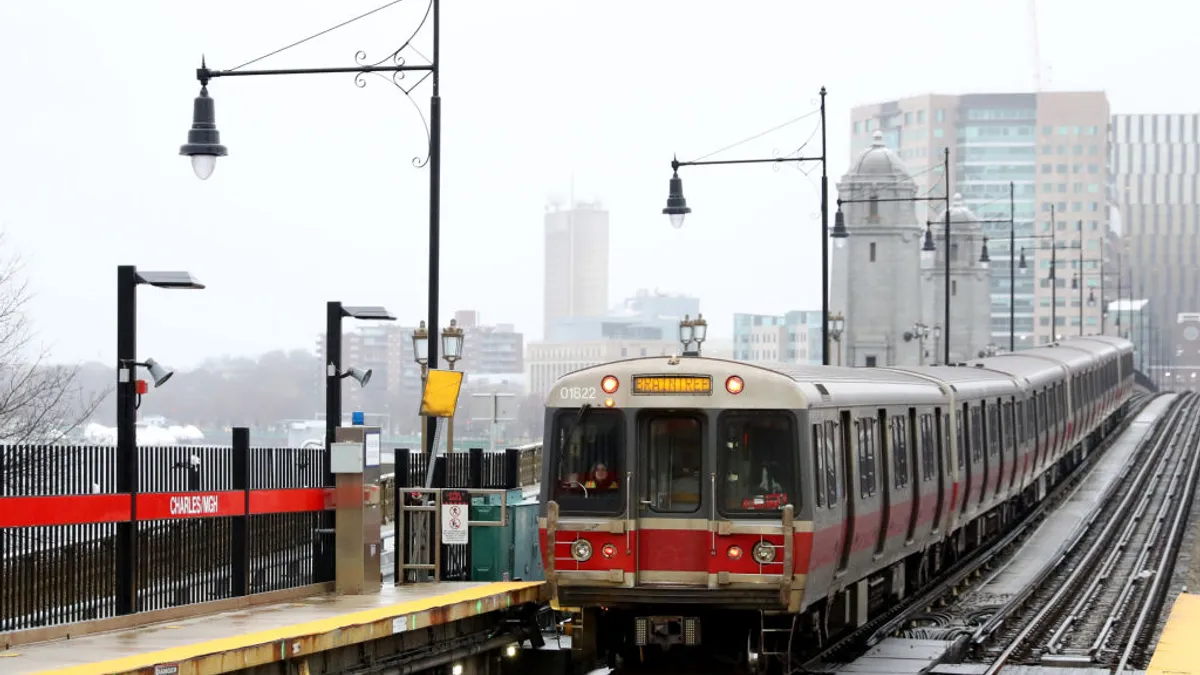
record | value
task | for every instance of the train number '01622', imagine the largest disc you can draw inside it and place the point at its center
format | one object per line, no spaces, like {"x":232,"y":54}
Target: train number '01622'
{"x":577,"y":392}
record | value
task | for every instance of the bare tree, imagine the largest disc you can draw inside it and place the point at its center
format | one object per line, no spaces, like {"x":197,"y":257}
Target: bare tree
{"x":40,"y":402}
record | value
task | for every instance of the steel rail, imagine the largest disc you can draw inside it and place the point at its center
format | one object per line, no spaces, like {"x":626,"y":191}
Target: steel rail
{"x":1158,"y":456}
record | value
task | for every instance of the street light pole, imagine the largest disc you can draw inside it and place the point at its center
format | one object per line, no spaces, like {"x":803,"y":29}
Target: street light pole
{"x":335,"y":311}
{"x":1012,"y":267}
{"x":128,"y":392}
{"x":204,"y":146}
{"x":677,"y":208}
{"x":1053,"y":278}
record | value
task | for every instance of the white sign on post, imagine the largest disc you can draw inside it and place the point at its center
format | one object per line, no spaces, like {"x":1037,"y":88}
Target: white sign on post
{"x":454,"y":524}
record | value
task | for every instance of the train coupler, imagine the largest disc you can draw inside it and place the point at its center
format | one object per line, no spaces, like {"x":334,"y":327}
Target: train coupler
{"x":665,"y":631}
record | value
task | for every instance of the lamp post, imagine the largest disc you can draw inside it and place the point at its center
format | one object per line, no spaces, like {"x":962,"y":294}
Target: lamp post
{"x":677,"y":208}
{"x":129,"y":394}
{"x":420,"y":343}
{"x":334,"y":313}
{"x":452,"y":345}
{"x":840,"y":232}
{"x":204,"y":146}
{"x":837,"y":323}
{"x":692,"y":330}
{"x":1078,"y":282}
{"x":920,"y":332}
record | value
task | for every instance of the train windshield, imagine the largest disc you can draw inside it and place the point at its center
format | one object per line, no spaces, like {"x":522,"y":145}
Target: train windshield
{"x":756,"y":462}
{"x":589,"y":460}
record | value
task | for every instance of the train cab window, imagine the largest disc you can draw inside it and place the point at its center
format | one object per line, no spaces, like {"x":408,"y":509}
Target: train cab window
{"x":900,"y":452}
{"x":756,"y":462}
{"x":866,"y":456}
{"x":588,"y":460}
{"x":928,"y":455}
{"x":671,"y":456}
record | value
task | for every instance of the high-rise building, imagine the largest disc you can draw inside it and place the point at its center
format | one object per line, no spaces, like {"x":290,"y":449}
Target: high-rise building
{"x":1155,"y":163}
{"x":794,"y":337}
{"x":1052,"y":147}
{"x":576,"y":261}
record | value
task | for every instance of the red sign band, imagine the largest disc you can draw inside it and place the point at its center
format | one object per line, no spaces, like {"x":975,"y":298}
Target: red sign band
{"x":86,"y":509}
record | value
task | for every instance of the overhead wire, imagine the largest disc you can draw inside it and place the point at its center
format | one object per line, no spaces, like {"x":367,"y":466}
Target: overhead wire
{"x":317,"y":35}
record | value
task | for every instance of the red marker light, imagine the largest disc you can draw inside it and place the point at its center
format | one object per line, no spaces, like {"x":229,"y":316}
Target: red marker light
{"x":734,"y":384}
{"x":609,"y":384}
{"x":608,"y":550}
{"x":141,"y":387}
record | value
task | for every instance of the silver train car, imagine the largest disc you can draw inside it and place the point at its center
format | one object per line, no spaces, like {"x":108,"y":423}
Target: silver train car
{"x":736,"y":509}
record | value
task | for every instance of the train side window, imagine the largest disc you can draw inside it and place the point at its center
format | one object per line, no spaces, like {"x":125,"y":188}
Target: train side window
{"x":1008,"y":427}
{"x":927,"y":453}
{"x":866,"y":455}
{"x":900,"y":451}
{"x":818,"y":450}
{"x":962,"y":441}
{"x":994,"y":424}
{"x":1019,"y":422}
{"x":833,"y":455}
{"x":976,"y":434}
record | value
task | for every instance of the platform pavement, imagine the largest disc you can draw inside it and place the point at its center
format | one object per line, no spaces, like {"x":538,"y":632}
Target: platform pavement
{"x":231,"y":641}
{"x":1178,"y":649}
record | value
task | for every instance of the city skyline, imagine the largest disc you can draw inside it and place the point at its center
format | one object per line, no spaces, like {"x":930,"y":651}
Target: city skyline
{"x":279,"y":229}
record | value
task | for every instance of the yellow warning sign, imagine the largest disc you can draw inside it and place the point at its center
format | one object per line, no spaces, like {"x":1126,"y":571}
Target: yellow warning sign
{"x":441,"y":393}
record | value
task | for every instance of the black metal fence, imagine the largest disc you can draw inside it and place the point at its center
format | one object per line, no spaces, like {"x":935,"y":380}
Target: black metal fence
{"x":206,"y":523}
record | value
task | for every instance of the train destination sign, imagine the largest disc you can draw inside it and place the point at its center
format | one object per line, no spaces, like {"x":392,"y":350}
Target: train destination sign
{"x":672,"y":384}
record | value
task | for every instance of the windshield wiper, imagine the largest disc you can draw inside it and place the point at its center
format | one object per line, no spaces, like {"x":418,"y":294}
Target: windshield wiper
{"x":583,"y":411}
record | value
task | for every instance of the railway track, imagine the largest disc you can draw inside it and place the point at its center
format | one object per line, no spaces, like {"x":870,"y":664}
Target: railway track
{"x":950,"y":581}
{"x":1099,"y":604}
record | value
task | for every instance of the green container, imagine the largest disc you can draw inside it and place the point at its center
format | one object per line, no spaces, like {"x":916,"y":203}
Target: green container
{"x":509,"y":552}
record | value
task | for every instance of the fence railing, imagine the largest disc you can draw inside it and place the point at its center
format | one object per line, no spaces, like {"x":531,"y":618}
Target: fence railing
{"x":206,"y":523}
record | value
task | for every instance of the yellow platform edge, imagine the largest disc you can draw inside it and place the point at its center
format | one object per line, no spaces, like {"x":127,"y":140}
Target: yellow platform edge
{"x":224,"y":655}
{"x":1178,"y":649}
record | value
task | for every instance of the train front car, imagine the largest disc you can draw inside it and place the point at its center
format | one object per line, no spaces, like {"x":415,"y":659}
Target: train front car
{"x":671,"y":512}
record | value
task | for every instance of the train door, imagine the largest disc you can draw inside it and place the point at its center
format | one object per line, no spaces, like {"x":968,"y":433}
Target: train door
{"x":884,"y":453}
{"x":964,"y":466}
{"x":915,"y":454}
{"x":938,"y":422}
{"x":672,"y":527}
{"x":849,"y":507}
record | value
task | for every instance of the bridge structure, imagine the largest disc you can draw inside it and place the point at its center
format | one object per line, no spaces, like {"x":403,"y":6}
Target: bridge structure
{"x":249,"y":560}
{"x":270,"y":559}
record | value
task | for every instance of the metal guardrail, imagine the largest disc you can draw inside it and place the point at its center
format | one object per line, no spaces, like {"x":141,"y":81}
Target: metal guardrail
{"x":431,"y":502}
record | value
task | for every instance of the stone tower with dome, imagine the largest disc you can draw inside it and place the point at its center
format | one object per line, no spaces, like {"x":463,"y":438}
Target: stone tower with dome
{"x":970,"y":298}
{"x":876,"y":271}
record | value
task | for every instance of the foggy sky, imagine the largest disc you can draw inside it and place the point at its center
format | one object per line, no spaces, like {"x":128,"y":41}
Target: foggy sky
{"x":318,"y":199}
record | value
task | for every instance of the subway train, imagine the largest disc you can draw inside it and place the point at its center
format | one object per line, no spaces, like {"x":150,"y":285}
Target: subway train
{"x":724,"y":509}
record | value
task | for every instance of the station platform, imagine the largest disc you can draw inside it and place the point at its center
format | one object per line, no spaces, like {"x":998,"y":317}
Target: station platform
{"x":1178,"y":649}
{"x":231,"y":641}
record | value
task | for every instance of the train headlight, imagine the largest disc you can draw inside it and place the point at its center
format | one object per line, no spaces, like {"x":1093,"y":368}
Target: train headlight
{"x":734,"y":553}
{"x":734,"y":384}
{"x":581,"y":550}
{"x":763,"y":552}
{"x":609,"y":384}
